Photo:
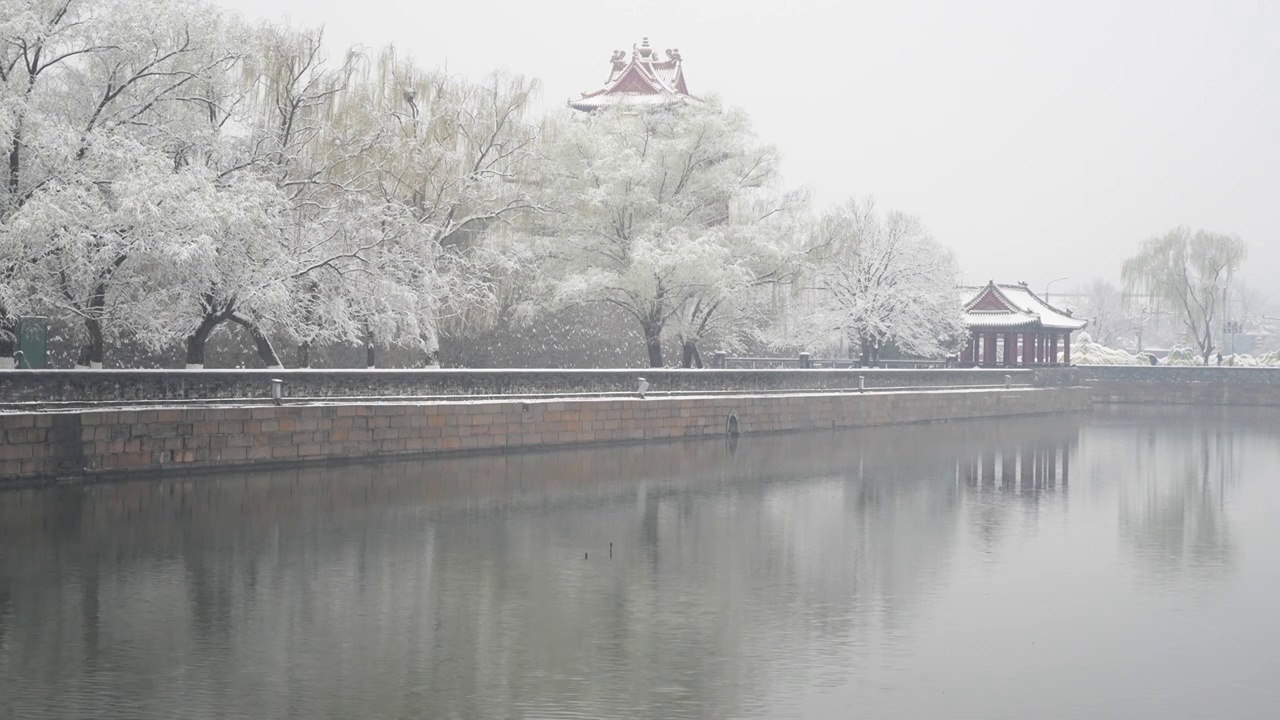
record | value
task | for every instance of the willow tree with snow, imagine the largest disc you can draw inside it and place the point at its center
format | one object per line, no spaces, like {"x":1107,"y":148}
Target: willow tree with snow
{"x":880,"y":280}
{"x":664,"y":213}
{"x":1191,"y":270}
{"x":452,"y":154}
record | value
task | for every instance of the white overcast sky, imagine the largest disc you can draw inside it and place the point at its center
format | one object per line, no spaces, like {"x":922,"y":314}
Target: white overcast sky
{"x":1037,"y":139}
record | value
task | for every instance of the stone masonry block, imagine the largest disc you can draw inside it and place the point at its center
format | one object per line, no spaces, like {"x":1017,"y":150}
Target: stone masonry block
{"x":17,"y":421}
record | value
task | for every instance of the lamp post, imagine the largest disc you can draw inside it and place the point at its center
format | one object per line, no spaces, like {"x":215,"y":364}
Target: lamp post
{"x":1051,"y":282}
{"x":1142,"y":323}
{"x":1223,"y":326}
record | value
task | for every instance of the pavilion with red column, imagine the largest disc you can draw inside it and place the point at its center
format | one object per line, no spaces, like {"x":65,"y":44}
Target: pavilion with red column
{"x":1011,"y":326}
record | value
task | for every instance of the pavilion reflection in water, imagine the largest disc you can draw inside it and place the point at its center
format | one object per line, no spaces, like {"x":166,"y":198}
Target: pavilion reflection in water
{"x":1024,"y":465}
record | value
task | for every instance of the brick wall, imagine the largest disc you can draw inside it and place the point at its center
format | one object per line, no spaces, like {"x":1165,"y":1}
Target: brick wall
{"x":47,"y":445}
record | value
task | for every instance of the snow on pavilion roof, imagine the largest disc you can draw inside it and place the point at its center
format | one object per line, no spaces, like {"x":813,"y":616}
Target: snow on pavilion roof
{"x":1012,"y":306}
{"x":641,"y":79}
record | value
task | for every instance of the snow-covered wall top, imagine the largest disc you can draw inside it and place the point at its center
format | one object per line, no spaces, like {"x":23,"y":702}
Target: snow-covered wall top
{"x":80,"y":386}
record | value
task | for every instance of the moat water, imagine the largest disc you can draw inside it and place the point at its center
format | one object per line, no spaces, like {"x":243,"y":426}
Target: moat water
{"x":1113,"y":565}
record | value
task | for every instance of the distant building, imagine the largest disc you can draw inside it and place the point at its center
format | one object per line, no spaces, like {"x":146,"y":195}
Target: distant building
{"x":1010,"y":326}
{"x":641,"y":79}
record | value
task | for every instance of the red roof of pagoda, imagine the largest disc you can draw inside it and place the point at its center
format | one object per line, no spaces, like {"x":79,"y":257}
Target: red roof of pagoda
{"x":641,"y":79}
{"x":1012,"y":306}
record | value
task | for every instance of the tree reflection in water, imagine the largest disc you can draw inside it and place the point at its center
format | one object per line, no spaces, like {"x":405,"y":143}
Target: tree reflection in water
{"x":1173,"y":489}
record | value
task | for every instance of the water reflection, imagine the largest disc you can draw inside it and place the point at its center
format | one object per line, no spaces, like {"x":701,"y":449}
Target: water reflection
{"x":1176,"y":480}
{"x":743,"y":578}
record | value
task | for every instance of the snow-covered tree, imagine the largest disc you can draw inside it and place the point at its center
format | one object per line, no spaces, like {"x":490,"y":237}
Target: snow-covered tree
{"x":733,"y":308}
{"x":657,"y":211}
{"x":38,"y":39}
{"x":1251,"y":307}
{"x":303,"y":261}
{"x":1191,"y":271}
{"x":171,"y":171}
{"x":1113,"y":321}
{"x":880,"y":280}
{"x":230,"y":267}
{"x":93,"y":172}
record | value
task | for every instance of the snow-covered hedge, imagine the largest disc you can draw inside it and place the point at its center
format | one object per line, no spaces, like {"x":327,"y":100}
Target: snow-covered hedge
{"x":1268,"y":359}
{"x":1183,"y":356}
{"x":1084,"y":351}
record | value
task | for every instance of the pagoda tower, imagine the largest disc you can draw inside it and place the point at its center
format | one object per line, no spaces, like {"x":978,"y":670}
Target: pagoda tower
{"x":641,"y":79}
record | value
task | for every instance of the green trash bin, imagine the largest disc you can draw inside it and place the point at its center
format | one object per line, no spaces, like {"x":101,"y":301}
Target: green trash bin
{"x":33,"y":341}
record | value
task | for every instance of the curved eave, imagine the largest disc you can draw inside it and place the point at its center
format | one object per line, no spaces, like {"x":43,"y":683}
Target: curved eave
{"x":587,"y":103}
{"x":1014,"y":322}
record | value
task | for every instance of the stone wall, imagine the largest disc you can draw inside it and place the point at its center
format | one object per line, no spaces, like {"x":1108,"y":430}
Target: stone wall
{"x":124,"y":442}
{"x":1162,"y":385}
{"x":106,"y":386}
{"x":1176,"y":374}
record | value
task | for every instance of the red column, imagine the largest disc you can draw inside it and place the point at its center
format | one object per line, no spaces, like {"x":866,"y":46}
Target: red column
{"x":989,"y":352}
{"x":1053,"y":348}
{"x":1066,"y":360}
{"x":1010,"y":340}
{"x":1036,"y":342}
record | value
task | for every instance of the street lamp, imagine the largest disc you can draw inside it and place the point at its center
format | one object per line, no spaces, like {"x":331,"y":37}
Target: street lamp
{"x":1142,"y":324}
{"x":1046,"y":286}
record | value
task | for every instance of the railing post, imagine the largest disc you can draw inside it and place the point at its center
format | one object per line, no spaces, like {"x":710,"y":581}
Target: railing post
{"x":806,"y":360}
{"x":718,"y":360}
{"x":862,"y":383}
